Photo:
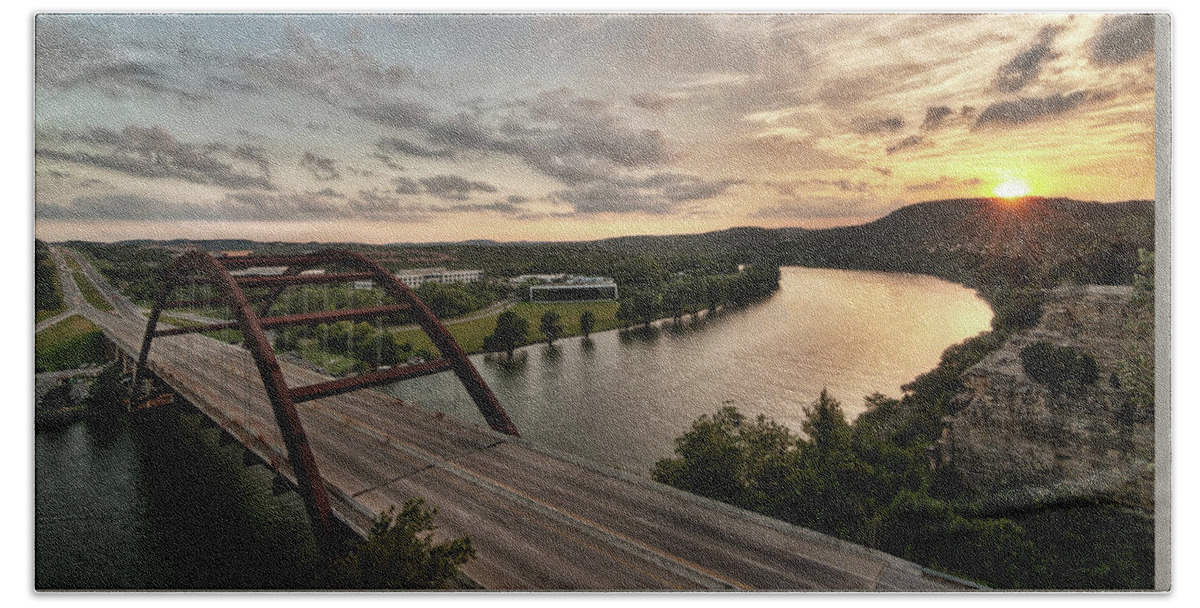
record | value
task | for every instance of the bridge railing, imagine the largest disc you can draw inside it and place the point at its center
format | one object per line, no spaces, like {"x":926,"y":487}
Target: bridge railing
{"x":240,"y":293}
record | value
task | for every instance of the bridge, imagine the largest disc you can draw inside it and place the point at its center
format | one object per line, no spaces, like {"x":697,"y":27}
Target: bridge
{"x":538,"y":519}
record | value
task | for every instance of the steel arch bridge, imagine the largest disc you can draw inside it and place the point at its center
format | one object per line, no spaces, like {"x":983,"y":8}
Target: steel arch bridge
{"x":250,"y":298}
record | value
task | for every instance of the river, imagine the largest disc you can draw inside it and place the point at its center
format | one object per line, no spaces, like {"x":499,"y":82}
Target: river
{"x":173,"y":508}
{"x":621,"y":397}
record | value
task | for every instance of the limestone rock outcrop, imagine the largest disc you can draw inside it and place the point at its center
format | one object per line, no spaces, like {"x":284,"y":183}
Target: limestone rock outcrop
{"x":1016,"y":443}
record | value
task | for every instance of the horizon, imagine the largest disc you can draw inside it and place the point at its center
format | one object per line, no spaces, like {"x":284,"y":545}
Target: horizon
{"x":557,"y":128}
{"x":996,"y":200}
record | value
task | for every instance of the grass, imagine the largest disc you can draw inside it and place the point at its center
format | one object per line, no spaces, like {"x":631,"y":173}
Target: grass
{"x":470,"y":334}
{"x":231,"y":336}
{"x":70,"y":343}
{"x":42,"y":315}
{"x":72,"y":262}
{"x":334,"y":365}
{"x":89,"y":291}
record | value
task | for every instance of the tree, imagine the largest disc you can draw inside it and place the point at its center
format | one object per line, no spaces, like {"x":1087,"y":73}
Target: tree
{"x":399,"y":553}
{"x":107,"y":395}
{"x":587,"y":321}
{"x":928,"y":531}
{"x":511,"y":331}
{"x":551,"y":326}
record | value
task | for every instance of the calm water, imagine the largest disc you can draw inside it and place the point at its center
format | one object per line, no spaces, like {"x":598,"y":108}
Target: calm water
{"x":621,"y":397}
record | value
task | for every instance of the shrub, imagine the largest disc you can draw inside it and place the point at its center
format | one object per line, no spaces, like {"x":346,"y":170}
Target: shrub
{"x":399,"y":553}
{"x":1062,"y":368}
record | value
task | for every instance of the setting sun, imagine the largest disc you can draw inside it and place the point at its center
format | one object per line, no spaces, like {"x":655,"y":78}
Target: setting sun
{"x":1012,"y":188}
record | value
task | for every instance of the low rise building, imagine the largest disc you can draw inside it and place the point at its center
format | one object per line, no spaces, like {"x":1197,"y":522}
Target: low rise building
{"x":575,"y":289}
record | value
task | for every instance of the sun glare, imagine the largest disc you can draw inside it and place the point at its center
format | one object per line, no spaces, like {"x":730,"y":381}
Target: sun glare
{"x":1012,"y":188}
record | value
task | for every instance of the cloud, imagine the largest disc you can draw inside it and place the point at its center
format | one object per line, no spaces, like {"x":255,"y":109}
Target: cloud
{"x":1025,"y":67}
{"x":934,"y":116}
{"x":496,"y":207}
{"x":67,"y":58}
{"x":393,"y":145}
{"x":654,"y":102}
{"x":153,"y":152}
{"x":255,"y":155}
{"x":1122,"y":38}
{"x":249,"y":206}
{"x":944,"y":182}
{"x":405,"y":185}
{"x":572,"y":139}
{"x":907,"y":142}
{"x":395,"y":114}
{"x":337,"y":77}
{"x":322,"y":168}
{"x":613,"y":198}
{"x":453,"y":186}
{"x":656,"y":194}
{"x":866,"y":126}
{"x":1026,"y":110}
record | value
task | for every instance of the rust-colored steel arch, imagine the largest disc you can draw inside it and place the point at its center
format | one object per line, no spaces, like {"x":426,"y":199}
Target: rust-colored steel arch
{"x":216,"y":272}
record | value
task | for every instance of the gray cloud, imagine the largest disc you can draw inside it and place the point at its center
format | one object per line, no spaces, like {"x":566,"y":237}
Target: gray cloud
{"x":336,"y":77}
{"x":256,"y":155}
{"x":1122,"y":38}
{"x":866,"y":126}
{"x":658,"y":193}
{"x":68,"y":58}
{"x":395,"y":114}
{"x":652,"y":101}
{"x":153,"y":152}
{"x":405,"y":185}
{"x":934,"y":116}
{"x":944,"y":182}
{"x":1025,"y":67}
{"x":322,"y":168}
{"x":613,"y":198}
{"x":907,"y":142}
{"x":572,"y":139}
{"x":453,"y":186}
{"x":496,"y":207}
{"x":1026,"y":110}
{"x":392,"y":145}
{"x":238,"y":207}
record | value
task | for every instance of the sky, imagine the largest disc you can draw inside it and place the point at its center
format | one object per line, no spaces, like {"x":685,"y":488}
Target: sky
{"x":419,"y":128}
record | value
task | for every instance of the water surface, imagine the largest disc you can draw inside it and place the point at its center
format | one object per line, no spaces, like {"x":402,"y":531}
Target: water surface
{"x":622,"y":397}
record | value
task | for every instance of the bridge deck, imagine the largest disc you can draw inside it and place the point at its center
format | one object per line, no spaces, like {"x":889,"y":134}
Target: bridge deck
{"x":538,"y":520}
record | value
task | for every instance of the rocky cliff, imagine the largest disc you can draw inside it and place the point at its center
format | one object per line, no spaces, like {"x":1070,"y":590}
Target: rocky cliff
{"x":1017,"y":443}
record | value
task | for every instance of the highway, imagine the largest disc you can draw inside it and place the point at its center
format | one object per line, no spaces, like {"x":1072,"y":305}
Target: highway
{"x":537,"y":519}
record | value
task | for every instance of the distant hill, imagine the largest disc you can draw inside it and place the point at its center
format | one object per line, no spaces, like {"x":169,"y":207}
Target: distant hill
{"x":968,"y":240}
{"x":973,"y":241}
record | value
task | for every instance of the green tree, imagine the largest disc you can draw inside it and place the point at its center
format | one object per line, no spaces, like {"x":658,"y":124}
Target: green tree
{"x":511,"y":331}
{"x":587,"y":322}
{"x":551,"y":326}
{"x":928,"y":531}
{"x":107,"y":395}
{"x":399,"y":553}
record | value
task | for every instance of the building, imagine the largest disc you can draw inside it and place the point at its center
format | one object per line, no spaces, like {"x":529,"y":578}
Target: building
{"x":575,"y":289}
{"x":541,"y":278}
{"x":414,"y":277}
